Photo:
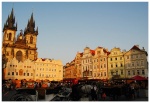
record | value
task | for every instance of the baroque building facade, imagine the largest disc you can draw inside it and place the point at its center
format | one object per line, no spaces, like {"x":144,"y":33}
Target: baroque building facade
{"x":104,"y":65}
{"x":136,"y":62}
{"x":116,"y":64}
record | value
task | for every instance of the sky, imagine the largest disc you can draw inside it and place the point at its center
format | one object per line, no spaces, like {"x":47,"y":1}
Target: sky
{"x":66,"y":28}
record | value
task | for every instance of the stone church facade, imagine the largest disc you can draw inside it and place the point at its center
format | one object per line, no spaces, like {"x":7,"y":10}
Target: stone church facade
{"x":22,"y":46}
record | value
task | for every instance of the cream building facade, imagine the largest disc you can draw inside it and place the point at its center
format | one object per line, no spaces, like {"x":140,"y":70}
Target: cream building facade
{"x":20,"y":70}
{"x":40,"y":69}
{"x":48,"y":69}
{"x":136,"y":62}
{"x":87,"y":63}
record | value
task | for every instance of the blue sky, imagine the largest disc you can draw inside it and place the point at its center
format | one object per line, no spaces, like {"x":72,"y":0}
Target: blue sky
{"x":68,"y":27}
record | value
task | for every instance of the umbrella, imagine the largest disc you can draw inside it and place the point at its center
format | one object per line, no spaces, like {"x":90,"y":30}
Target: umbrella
{"x":139,"y":78}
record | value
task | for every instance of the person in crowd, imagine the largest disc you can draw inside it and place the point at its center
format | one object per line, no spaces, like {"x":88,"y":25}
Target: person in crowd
{"x":94,"y":92}
{"x":103,"y":96}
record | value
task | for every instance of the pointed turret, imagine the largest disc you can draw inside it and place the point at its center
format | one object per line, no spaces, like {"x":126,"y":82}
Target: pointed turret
{"x":30,"y":26}
{"x":10,"y":22}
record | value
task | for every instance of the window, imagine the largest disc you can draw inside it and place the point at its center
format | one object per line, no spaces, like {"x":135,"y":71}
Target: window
{"x":31,"y":40}
{"x":24,"y":74}
{"x":120,"y":58}
{"x":104,"y":73}
{"x":111,"y":72}
{"x":138,"y":72}
{"x":101,"y":73}
{"x":104,"y":59}
{"x":137,"y":63}
{"x":121,"y":72}
{"x":98,"y":52}
{"x":111,"y":65}
{"x":110,"y":59}
{"x":8,"y":73}
{"x":133,"y":72}
{"x":31,"y":74}
{"x":104,"y":65}
{"x":115,"y":58}
{"x":143,"y":72}
{"x":121,"y":65}
{"x":12,"y":73}
{"x":116,"y":65}
{"x":129,"y":65}
{"x":131,"y":56}
{"x":94,"y":74}
{"x":132,"y":64}
{"x":128,"y":72}
{"x":136,"y":56}
{"x":10,"y":35}
{"x":141,"y":63}
{"x":16,"y":73}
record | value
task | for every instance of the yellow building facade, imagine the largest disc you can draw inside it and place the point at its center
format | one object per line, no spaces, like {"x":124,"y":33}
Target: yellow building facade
{"x":116,"y":64}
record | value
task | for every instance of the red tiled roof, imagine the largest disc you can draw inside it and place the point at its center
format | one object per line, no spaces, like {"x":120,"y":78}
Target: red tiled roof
{"x":81,"y":54}
{"x":43,"y":59}
{"x":135,"y":48}
{"x":92,"y":52}
{"x":106,"y":51}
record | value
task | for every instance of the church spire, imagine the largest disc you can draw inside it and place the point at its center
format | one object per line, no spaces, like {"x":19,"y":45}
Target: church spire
{"x":30,"y":26}
{"x":10,"y":22}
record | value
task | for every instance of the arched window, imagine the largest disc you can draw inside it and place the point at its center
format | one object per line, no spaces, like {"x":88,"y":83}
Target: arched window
{"x":9,"y":38}
{"x":19,"y":55}
{"x":31,"y":40}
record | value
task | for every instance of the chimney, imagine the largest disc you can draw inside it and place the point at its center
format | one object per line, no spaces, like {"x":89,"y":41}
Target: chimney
{"x":143,"y":49}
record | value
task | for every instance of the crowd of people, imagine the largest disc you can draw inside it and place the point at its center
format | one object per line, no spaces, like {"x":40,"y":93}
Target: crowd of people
{"x":96,"y":91}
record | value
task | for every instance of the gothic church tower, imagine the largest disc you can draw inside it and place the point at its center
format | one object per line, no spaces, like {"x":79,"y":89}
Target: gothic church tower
{"x":23,"y":46}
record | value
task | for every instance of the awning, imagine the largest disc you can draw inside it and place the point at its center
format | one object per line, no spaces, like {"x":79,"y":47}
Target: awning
{"x":137,"y":77}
